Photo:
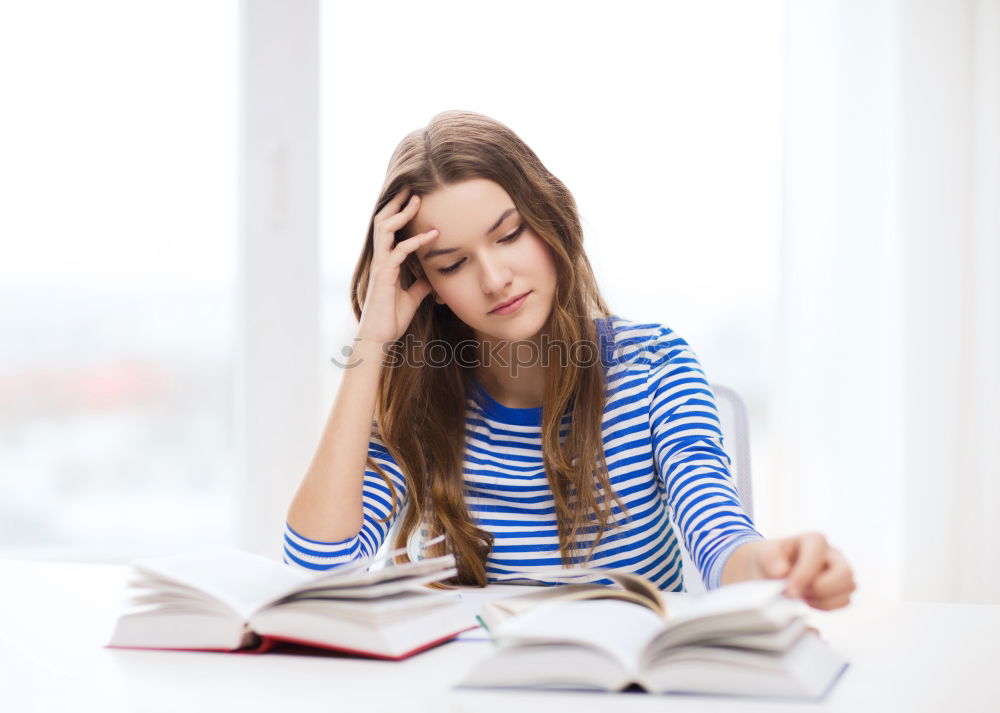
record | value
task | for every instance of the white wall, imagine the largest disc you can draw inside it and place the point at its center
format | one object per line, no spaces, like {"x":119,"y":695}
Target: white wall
{"x":887,"y":396}
{"x":950,"y":178}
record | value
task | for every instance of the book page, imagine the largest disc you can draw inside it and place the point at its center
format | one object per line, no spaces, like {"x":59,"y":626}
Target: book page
{"x":551,"y":667}
{"x":375,"y":590}
{"x":360,"y":578}
{"x":619,"y":628}
{"x":241,"y":580}
{"x":494,"y":613}
{"x":644,"y":591}
{"x":742,"y":596}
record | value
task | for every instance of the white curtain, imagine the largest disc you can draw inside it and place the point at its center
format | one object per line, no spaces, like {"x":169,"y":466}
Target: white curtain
{"x":886,"y":392}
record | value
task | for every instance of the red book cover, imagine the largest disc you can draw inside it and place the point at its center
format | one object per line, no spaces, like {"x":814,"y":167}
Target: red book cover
{"x":303,"y":646}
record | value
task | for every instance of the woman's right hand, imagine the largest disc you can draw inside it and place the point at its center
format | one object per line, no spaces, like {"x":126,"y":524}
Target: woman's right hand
{"x":388,"y":308}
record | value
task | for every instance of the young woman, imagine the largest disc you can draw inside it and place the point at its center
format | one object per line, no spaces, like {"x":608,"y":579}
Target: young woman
{"x":512,"y":412}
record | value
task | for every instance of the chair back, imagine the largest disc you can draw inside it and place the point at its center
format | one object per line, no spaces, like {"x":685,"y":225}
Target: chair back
{"x":736,"y":441}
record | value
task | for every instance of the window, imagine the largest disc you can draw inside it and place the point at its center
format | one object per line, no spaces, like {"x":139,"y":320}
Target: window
{"x":119,"y":183}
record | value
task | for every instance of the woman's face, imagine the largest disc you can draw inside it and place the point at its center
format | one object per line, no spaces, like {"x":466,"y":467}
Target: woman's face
{"x":485,"y":255}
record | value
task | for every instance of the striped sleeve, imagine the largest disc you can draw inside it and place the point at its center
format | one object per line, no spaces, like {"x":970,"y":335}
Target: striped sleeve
{"x":305,"y":553}
{"x":687,"y":443}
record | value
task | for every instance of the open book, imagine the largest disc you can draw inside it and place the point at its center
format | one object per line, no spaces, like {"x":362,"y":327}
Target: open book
{"x":227,"y":600}
{"x":577,"y":584}
{"x":743,"y":639}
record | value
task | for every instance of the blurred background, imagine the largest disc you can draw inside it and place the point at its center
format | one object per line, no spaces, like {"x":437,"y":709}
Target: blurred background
{"x":804,"y":190}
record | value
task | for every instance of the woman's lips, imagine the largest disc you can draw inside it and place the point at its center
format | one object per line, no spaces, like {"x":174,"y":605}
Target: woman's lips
{"x":513,"y":306}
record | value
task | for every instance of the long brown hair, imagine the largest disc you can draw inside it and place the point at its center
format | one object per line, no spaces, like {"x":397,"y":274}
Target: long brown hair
{"x":420,"y":411}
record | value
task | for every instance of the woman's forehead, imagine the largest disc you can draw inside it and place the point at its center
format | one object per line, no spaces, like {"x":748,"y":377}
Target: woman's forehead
{"x":464,"y":202}
{"x":464,"y":211}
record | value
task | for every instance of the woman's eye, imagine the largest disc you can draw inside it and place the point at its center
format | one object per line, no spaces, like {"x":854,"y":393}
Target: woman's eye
{"x":510,"y":238}
{"x":513,"y":236}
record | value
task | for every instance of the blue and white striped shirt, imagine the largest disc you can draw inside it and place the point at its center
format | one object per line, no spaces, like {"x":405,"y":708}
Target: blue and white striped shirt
{"x":664,"y":451}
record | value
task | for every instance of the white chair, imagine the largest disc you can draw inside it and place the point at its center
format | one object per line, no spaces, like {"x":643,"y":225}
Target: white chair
{"x":736,"y":441}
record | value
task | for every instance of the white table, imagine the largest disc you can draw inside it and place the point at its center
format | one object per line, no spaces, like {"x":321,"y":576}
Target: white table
{"x":55,"y":619}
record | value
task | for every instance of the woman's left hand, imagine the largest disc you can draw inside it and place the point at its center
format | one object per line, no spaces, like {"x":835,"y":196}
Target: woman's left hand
{"x":816,"y":572}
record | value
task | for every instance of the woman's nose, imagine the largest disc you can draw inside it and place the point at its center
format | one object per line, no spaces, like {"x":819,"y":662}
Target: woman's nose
{"x":495,"y":276}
